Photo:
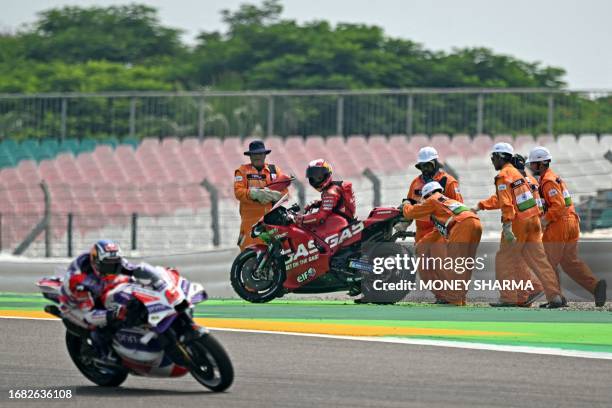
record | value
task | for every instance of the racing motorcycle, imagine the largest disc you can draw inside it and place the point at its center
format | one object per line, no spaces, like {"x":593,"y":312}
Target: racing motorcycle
{"x":335,"y":256}
{"x":157,"y":339}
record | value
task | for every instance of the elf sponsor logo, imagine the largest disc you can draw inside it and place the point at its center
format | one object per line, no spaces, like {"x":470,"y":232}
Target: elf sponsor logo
{"x":347,"y":233}
{"x":303,"y":277}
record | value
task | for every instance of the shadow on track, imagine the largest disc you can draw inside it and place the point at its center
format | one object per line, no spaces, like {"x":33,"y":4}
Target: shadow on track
{"x":97,"y":391}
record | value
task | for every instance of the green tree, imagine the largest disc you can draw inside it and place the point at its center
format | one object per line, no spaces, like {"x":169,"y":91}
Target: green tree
{"x":129,"y":34}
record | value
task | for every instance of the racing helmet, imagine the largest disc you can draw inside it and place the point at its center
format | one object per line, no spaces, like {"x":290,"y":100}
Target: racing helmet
{"x":105,"y":257}
{"x":319,"y":173}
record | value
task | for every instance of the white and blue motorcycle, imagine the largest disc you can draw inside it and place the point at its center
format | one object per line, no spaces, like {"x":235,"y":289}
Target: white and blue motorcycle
{"x":158,"y":337}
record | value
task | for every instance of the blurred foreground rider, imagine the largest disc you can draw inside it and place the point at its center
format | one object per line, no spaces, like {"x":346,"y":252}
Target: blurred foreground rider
{"x":88,"y":281}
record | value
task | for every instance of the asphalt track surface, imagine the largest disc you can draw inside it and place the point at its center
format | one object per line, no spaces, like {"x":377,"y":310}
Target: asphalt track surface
{"x":212,"y":269}
{"x":284,"y":370}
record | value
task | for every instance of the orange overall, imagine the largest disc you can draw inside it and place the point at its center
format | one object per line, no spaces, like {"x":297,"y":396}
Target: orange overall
{"x":521,"y":267}
{"x":460,"y":228}
{"x":245,"y":177}
{"x":519,"y":207}
{"x":561,"y":233}
{"x":429,"y":243}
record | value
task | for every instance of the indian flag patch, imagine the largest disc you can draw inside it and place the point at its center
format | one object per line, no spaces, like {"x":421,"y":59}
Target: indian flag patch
{"x":458,"y":208}
{"x":525,"y":201}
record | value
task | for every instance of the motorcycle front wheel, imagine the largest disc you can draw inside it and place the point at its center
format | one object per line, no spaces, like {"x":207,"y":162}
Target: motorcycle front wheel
{"x":81,"y":352}
{"x":256,"y":286}
{"x":211,"y":366}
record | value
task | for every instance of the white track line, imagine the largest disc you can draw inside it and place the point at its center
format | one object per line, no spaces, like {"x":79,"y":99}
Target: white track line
{"x":546,"y":351}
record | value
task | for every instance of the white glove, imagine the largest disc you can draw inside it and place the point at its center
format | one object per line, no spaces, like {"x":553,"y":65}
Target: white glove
{"x":507,"y":232}
{"x":258,"y":194}
{"x":272,"y":195}
{"x":402,"y":226}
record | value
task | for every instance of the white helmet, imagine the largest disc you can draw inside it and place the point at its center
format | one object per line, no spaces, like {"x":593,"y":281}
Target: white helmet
{"x":430,"y":188}
{"x":426,"y":154}
{"x":503,"y":147}
{"x":538,"y":154}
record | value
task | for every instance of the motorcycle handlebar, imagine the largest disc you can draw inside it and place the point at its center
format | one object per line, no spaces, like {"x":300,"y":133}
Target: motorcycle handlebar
{"x":294,"y":208}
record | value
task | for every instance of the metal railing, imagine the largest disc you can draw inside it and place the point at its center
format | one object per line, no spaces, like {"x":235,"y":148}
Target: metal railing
{"x":283,"y":113}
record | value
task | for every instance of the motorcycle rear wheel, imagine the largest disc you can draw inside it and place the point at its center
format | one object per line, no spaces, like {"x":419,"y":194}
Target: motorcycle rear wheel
{"x":243,"y":269}
{"x":211,"y":366}
{"x":105,"y":377}
{"x":384,"y":250}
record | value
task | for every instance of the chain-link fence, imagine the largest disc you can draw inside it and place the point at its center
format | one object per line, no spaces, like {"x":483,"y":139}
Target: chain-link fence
{"x":283,"y":113}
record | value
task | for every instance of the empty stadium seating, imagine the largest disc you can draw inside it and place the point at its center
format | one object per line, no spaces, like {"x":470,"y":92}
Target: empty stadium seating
{"x":104,"y":183}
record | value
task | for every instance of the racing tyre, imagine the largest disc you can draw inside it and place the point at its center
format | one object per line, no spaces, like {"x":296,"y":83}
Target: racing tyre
{"x":81,"y":352}
{"x":254,"y":286}
{"x":388,"y":276}
{"x":211,"y":366}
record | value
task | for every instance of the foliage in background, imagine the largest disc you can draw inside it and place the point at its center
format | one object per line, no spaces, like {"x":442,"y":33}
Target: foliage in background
{"x":123,"y":48}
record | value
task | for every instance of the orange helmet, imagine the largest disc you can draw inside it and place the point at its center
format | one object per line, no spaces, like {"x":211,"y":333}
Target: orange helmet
{"x":319,"y":173}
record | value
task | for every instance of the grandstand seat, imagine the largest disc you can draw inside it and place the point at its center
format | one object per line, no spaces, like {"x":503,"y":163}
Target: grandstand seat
{"x":381,"y":150}
{"x":190,"y":144}
{"x":87,"y":145}
{"x":274,"y":143}
{"x":211,"y":144}
{"x":442,"y":143}
{"x":606,"y":142}
{"x":112,"y":141}
{"x":503,"y":139}
{"x":27,"y":171}
{"x":69,"y":145}
{"x":545,"y":140}
{"x":315,"y":146}
{"x":588,"y":142}
{"x":49,"y":171}
{"x":170,"y":144}
{"x":566,"y":141}
{"x":50,"y":144}
{"x":148,"y":144}
{"x":131,"y":141}
{"x":418,"y":141}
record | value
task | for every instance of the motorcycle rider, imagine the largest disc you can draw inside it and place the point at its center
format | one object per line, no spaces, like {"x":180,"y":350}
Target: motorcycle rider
{"x":89,"y":279}
{"x":337,"y":197}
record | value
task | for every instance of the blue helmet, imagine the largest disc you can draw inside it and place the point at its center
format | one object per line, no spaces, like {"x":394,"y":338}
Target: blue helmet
{"x":105,"y":257}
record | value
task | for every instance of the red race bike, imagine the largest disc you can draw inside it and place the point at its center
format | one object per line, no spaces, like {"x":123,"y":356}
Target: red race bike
{"x":334,"y":256}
